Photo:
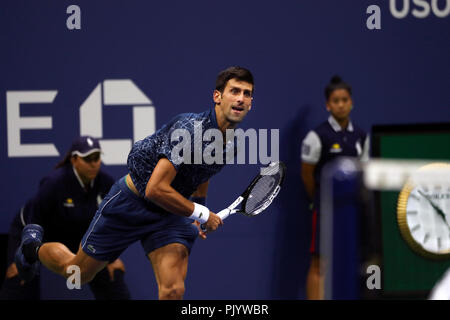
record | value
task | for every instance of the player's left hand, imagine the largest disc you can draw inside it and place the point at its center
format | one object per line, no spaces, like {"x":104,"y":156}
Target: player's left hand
{"x":201,"y":234}
{"x":113,"y":266}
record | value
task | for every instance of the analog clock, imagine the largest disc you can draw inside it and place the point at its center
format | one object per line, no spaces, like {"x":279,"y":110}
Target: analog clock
{"x":423,"y":215}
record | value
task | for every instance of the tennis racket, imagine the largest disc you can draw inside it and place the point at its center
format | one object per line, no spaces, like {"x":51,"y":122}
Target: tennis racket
{"x":259,"y":194}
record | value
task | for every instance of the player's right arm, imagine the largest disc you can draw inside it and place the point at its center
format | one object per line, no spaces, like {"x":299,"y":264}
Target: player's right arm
{"x":200,"y":195}
{"x":202,"y":190}
{"x":160,"y":192}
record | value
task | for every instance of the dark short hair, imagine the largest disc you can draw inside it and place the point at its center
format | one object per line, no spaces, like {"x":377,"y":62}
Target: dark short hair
{"x":336,"y":82}
{"x":234,"y":72}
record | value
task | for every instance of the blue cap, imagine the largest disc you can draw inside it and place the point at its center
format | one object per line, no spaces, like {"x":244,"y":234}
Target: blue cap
{"x":84,"y":146}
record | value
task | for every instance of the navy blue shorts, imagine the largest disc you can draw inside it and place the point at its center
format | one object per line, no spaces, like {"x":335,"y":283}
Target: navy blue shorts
{"x":123,"y":218}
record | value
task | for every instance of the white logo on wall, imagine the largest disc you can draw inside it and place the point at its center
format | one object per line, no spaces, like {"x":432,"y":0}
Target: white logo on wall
{"x":400,"y":9}
{"x":419,"y":8}
{"x":117,"y":93}
{"x":108,"y":93}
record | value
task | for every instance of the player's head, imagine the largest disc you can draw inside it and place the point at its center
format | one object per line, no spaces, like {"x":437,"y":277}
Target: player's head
{"x":235,"y":72}
{"x":84,"y":155}
{"x":234,"y":93}
{"x":338,"y":96}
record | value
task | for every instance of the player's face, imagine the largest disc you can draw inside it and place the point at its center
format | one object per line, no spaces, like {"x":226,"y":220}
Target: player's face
{"x":236,"y":100}
{"x":340,"y":104}
{"x":87,"y":167}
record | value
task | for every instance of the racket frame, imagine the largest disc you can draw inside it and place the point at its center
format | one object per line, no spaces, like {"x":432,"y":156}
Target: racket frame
{"x":225,"y":213}
{"x":246,"y":193}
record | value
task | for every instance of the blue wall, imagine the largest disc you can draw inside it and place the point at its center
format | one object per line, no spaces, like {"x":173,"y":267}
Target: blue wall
{"x":172,"y":50}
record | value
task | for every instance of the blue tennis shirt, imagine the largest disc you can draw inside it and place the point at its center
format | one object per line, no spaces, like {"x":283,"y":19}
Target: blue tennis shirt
{"x":146,"y":153}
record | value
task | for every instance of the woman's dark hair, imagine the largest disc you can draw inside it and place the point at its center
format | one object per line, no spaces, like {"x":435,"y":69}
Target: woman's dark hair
{"x":235,"y":72}
{"x":65,"y":160}
{"x":336,"y":82}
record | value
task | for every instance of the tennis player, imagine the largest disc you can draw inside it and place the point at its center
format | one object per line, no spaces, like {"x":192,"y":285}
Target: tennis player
{"x":338,"y":136}
{"x":151,"y":203}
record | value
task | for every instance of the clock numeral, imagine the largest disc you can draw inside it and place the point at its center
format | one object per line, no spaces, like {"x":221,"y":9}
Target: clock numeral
{"x":415,"y":197}
{"x":412,"y":212}
{"x":425,"y":239}
{"x":415,"y":228}
{"x":439,"y":244}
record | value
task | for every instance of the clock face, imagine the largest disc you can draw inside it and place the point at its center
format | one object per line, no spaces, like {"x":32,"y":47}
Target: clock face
{"x":428,"y":218}
{"x":424,"y":219}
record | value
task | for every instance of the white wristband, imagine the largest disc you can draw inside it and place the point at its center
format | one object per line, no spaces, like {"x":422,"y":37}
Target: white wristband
{"x":201,"y":213}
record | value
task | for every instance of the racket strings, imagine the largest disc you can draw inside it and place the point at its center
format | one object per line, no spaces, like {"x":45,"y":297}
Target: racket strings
{"x":260,"y":192}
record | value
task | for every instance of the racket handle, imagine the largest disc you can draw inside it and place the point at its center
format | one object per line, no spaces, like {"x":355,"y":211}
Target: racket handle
{"x":225,"y":213}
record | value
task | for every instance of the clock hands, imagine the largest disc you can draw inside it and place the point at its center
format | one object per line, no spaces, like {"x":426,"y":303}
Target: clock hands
{"x":435,"y":207}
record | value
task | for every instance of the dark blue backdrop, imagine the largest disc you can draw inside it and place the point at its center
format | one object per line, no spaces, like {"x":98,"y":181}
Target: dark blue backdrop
{"x":172,"y":50}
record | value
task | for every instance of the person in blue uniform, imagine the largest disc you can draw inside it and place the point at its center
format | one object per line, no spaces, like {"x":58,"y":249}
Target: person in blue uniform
{"x":150,"y":204}
{"x":338,"y":136}
{"x":64,"y":206}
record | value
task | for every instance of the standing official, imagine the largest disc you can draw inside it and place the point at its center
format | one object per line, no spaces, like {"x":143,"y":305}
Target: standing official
{"x":338,"y":136}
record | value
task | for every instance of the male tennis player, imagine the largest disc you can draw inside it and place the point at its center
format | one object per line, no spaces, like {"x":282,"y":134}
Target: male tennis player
{"x":150,"y":203}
